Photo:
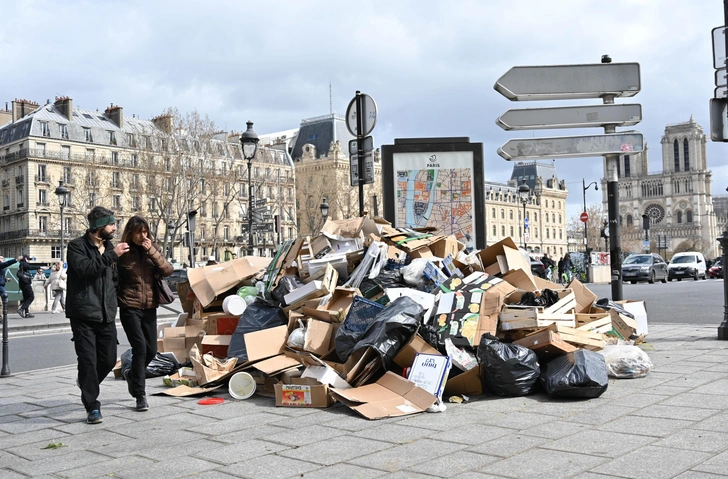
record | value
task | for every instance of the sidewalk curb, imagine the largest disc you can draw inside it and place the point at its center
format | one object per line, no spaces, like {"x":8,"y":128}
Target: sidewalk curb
{"x":58,"y":327}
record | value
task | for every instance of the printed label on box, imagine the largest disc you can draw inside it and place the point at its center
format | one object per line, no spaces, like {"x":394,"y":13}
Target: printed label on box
{"x":295,"y":395}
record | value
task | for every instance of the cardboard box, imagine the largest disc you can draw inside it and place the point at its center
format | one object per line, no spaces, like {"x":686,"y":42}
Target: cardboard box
{"x":219,"y":323}
{"x":318,"y":336}
{"x":639,"y":311}
{"x":216,"y":344}
{"x":406,"y":356}
{"x":429,"y":372}
{"x":584,"y":297}
{"x":622,"y":326}
{"x":390,"y":396}
{"x":320,"y":247}
{"x":303,"y":392}
{"x":515,"y":316}
{"x":210,"y":281}
{"x":449,"y":245}
{"x":511,"y":257}
{"x":314,"y":289}
{"x":546,"y":343}
{"x":590,"y":316}
{"x":467,"y":383}
{"x":336,"y":309}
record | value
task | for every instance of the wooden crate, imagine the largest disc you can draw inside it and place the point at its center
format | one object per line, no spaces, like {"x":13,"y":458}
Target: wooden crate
{"x":601,"y":325}
{"x":579,"y":337}
{"x":546,"y":343}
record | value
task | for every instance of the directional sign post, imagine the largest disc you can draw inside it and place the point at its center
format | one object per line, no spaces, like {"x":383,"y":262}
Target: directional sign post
{"x":361,"y":118}
{"x":606,"y":81}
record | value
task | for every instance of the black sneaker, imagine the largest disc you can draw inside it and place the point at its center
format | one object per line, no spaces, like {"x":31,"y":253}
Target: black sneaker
{"x":141,"y":404}
{"x":28,"y":315}
{"x":94,"y":417}
{"x":21,"y":313}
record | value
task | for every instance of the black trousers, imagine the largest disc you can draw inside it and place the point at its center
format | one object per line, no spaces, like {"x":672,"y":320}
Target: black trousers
{"x":140,"y":326}
{"x":95,"y":344}
{"x":28,"y":295}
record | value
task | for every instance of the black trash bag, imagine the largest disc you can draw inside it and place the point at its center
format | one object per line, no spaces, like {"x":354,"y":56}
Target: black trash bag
{"x":606,"y":303}
{"x":390,"y":279}
{"x":509,"y":369}
{"x":285,"y":285}
{"x":578,"y":374}
{"x":547,"y":298}
{"x":125,"y":363}
{"x":391,"y":328}
{"x":161,"y":365}
{"x":258,"y":316}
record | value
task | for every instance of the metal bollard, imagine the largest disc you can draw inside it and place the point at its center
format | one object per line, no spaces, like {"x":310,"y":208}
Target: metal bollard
{"x":723,"y":328}
{"x":5,"y":372}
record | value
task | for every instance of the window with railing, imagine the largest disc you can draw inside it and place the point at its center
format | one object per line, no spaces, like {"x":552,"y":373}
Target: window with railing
{"x":65,"y":152}
{"x":134,"y":160}
{"x":43,"y":197}
{"x":42,"y":225}
{"x":116,"y":180}
{"x":115,"y":157}
{"x":42,"y":177}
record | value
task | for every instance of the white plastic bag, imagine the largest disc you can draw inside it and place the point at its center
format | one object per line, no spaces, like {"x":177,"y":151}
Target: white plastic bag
{"x":626,"y":362}
{"x":414,"y":273}
{"x":297,"y":337}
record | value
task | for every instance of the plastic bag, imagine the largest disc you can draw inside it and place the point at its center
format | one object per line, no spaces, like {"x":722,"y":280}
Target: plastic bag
{"x":248,"y":293}
{"x":462,"y":358}
{"x":161,"y":365}
{"x":414,"y":273}
{"x":297,"y":337}
{"x":578,"y":374}
{"x":626,"y":362}
{"x":546,"y":298}
{"x":285,"y":285}
{"x":606,"y":303}
{"x":258,"y":316}
{"x":391,"y":329}
{"x":509,"y":369}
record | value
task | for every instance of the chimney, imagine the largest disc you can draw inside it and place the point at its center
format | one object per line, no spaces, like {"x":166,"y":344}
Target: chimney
{"x":164,"y":122}
{"x":65,"y":106}
{"x":115,"y":113}
{"x":22,"y":108}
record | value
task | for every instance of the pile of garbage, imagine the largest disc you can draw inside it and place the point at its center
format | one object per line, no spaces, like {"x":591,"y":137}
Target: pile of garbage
{"x":394,"y":321}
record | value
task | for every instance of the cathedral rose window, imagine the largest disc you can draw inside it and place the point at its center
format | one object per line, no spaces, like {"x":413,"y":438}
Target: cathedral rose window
{"x":656,"y":213}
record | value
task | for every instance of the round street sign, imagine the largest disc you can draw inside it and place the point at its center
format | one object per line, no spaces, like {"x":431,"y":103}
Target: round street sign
{"x":369,"y":118}
{"x":584,"y":217}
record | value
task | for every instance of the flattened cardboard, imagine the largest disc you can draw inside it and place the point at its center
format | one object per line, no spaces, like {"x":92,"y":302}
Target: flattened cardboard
{"x":186,"y":391}
{"x":341,"y":230}
{"x":278,"y":364}
{"x":209,"y":281}
{"x":266,"y":343}
{"x":467,"y":383}
{"x":336,"y":309}
{"x":521,"y":280}
{"x":390,"y":396}
{"x":624,"y":327}
{"x":323,"y":373}
{"x":318,"y":336}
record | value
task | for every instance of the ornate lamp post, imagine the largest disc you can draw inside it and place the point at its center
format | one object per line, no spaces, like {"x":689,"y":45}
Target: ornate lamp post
{"x":525,"y":193}
{"x":324,"y":209}
{"x":249,"y":143}
{"x":62,"y":193}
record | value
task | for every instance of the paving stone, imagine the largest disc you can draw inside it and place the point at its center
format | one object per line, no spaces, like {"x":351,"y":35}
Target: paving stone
{"x":28,"y":424}
{"x":232,"y":453}
{"x":59,"y":464}
{"x":701,"y":380}
{"x":49,"y":435}
{"x":508,"y":445}
{"x":719,"y":423}
{"x":600,"y":443}
{"x":8,"y":459}
{"x":519,"y":420}
{"x":699,"y":475}
{"x":675,"y":412}
{"x":480,"y":475}
{"x":304,"y":435}
{"x":690,"y":399}
{"x":223,"y":426}
{"x":543,"y":464}
{"x":168,"y":469}
{"x":496,"y":404}
{"x":339,"y":471}
{"x":342,"y":449}
{"x":472,"y":434}
{"x":147,"y":443}
{"x":443,"y":421}
{"x":164,"y":451}
{"x":398,"y":434}
{"x":400,"y":457}
{"x":19,"y":408}
{"x":111,"y":467}
{"x":653,"y":462}
{"x":7,"y":474}
{"x":598,"y":416}
{"x":297,"y":422}
{"x":155,"y":410}
{"x":80,"y":426}
{"x":554,"y":429}
{"x":77,"y":442}
{"x":266,"y":467}
{"x":214,"y":474}
{"x":647,"y":426}
{"x":719,"y":387}
{"x":350,"y":421}
{"x":455,"y":463}
{"x":697,"y":440}
{"x":637,"y":400}
{"x":560,"y":408}
{"x":666,"y":390}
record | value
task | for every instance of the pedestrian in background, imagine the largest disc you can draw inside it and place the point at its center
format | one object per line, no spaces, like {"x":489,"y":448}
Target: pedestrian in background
{"x":57,"y":283}
{"x":138,"y":302}
{"x":568,"y":265}
{"x":3,"y":265}
{"x":25,"y":281}
{"x":91,"y":305}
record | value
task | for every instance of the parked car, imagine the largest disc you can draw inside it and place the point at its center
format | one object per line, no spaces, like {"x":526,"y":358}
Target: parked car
{"x":716,"y":271}
{"x":177,"y":276}
{"x":687,"y":265}
{"x":644,"y":267}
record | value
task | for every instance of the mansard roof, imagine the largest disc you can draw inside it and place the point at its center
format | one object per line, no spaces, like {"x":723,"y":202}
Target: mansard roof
{"x":320,"y":132}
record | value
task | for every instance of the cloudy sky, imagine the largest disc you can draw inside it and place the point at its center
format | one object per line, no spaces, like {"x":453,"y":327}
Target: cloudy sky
{"x":430,"y":65}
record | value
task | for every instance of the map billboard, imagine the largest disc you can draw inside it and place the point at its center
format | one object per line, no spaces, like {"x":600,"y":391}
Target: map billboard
{"x":436,"y":183}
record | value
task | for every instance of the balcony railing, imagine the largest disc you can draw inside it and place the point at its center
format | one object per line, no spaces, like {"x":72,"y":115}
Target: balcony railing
{"x":40,"y":233}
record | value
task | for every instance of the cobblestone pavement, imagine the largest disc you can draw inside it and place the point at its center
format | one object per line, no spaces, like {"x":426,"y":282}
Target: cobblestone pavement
{"x":672,"y":423}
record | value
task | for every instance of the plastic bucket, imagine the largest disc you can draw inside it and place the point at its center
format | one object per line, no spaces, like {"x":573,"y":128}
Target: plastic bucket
{"x":234,"y":305}
{"x":241,"y":385}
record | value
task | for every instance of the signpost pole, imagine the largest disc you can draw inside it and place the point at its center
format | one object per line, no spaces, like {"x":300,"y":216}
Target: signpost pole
{"x":360,"y":147}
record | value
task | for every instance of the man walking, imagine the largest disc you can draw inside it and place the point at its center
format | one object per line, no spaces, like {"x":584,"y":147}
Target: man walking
{"x":91,"y":304}
{"x":25,"y":281}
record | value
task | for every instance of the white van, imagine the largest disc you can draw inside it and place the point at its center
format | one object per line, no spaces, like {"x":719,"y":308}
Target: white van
{"x":687,"y":265}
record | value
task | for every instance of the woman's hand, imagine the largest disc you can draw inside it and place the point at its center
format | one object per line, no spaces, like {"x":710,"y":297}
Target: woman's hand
{"x":146,"y":243}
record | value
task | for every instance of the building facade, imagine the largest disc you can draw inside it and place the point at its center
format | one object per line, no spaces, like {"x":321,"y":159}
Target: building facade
{"x":141,"y":167}
{"x":545,"y":209}
{"x":677,"y":200}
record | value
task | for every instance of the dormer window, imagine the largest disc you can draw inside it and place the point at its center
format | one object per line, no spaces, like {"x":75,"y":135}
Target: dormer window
{"x":63,"y":131}
{"x":112,"y":138}
{"x":45,"y":130}
{"x":87,"y":135}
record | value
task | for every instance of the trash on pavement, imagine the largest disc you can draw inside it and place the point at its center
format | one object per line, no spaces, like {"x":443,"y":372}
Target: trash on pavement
{"x":626,"y":361}
{"x":578,"y":374}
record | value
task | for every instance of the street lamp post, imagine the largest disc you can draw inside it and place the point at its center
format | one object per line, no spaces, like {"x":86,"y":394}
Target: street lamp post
{"x":605,"y":234}
{"x":586,"y":229}
{"x":525,"y":193}
{"x":249,"y":143}
{"x":62,"y":193}
{"x":723,"y":328}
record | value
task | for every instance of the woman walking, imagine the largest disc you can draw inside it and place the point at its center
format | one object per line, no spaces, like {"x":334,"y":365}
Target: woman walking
{"x":138,"y":304}
{"x":57,"y":283}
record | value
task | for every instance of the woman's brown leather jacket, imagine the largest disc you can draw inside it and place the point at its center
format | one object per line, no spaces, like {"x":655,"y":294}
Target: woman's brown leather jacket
{"x":137,"y":270}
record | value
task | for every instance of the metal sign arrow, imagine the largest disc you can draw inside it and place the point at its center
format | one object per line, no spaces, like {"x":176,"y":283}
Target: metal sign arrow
{"x":571,"y":117}
{"x":564,"y":82}
{"x":572,"y":146}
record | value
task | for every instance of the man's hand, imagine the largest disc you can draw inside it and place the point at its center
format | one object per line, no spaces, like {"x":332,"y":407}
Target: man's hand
{"x":19,"y":259}
{"x":121,"y":248}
